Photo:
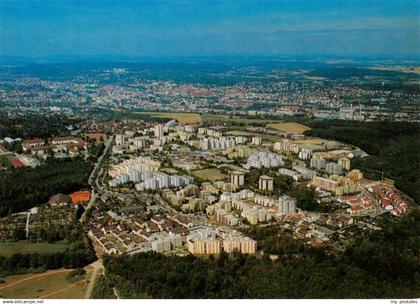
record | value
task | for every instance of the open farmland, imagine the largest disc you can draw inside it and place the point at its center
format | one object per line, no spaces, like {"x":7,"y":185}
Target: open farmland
{"x":266,"y":137}
{"x":209,"y":174}
{"x":9,"y":248}
{"x":235,"y":119}
{"x":183,"y":118}
{"x":51,"y":284}
{"x":289,"y":127}
{"x":195,"y":118}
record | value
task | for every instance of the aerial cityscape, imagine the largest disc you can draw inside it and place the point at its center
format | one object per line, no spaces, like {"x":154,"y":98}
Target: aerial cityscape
{"x":180,"y":165}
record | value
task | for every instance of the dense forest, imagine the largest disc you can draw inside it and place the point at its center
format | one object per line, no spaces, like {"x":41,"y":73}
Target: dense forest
{"x":24,"y":188}
{"x":393,"y":148}
{"x":31,"y":126}
{"x":383,"y":265}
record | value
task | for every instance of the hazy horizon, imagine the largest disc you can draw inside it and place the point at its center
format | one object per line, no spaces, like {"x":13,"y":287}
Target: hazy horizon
{"x":341,"y":29}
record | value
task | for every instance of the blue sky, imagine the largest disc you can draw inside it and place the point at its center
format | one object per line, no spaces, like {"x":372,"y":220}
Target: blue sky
{"x":212,"y":27}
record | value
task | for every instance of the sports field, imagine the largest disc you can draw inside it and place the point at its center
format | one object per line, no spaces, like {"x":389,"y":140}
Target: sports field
{"x":9,"y":248}
{"x":48,"y":285}
{"x":289,"y":127}
{"x":209,"y":174}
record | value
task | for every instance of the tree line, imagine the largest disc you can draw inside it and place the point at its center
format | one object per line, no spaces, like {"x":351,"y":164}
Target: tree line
{"x":79,"y":253}
{"x":30,"y":126}
{"x":24,"y":188}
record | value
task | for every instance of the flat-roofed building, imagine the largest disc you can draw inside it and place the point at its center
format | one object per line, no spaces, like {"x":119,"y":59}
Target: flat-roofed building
{"x":266,"y":183}
{"x":237,"y":178}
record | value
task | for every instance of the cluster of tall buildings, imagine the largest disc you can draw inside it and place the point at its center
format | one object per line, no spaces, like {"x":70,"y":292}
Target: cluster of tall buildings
{"x":305,"y":172}
{"x":206,"y":241}
{"x":220,"y":143}
{"x":339,"y":185}
{"x":209,"y":132}
{"x":134,"y":170}
{"x":264,"y":160}
{"x":333,"y":168}
{"x":240,"y":151}
{"x":293,"y":174}
{"x":319,"y":163}
{"x":253,"y":207}
{"x":160,"y":180}
{"x":254,"y":214}
{"x":286,"y":145}
{"x":287,"y":204}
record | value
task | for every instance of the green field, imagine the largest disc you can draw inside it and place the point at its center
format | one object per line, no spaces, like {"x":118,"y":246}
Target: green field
{"x":9,"y":248}
{"x":4,"y":162}
{"x":240,"y":133}
{"x":209,"y":174}
{"x":51,"y":284}
{"x":266,"y":137}
{"x":183,"y":118}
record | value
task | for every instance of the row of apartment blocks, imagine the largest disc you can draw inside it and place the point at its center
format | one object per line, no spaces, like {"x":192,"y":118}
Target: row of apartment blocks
{"x":320,"y":163}
{"x":298,"y":173}
{"x":304,"y":151}
{"x":141,"y":164}
{"x":220,"y":143}
{"x":132,"y":143}
{"x":206,"y":241}
{"x":160,"y":180}
{"x":339,"y":185}
{"x":264,"y":160}
{"x":253,"y":207}
{"x":240,"y":151}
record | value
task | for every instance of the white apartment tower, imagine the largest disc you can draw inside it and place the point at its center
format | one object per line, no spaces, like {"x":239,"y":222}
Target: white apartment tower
{"x":266,"y":183}
{"x":237,"y":178}
{"x":158,"y":131}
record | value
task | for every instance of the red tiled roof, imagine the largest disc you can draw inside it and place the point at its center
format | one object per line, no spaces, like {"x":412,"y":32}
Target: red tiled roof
{"x":80,"y":197}
{"x":34,"y":141}
{"x":16,"y":163}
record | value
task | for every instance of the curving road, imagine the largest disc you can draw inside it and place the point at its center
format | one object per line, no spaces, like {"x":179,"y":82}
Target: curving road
{"x":96,"y":267}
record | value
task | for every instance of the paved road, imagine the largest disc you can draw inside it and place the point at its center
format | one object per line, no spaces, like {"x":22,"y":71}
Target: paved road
{"x":100,"y":159}
{"x":96,"y":267}
{"x":93,"y":182}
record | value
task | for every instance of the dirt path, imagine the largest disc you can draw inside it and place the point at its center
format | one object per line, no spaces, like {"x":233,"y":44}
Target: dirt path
{"x":61,"y":290}
{"x":115,"y":292}
{"x":34,"y":277}
{"x":96,"y":267}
